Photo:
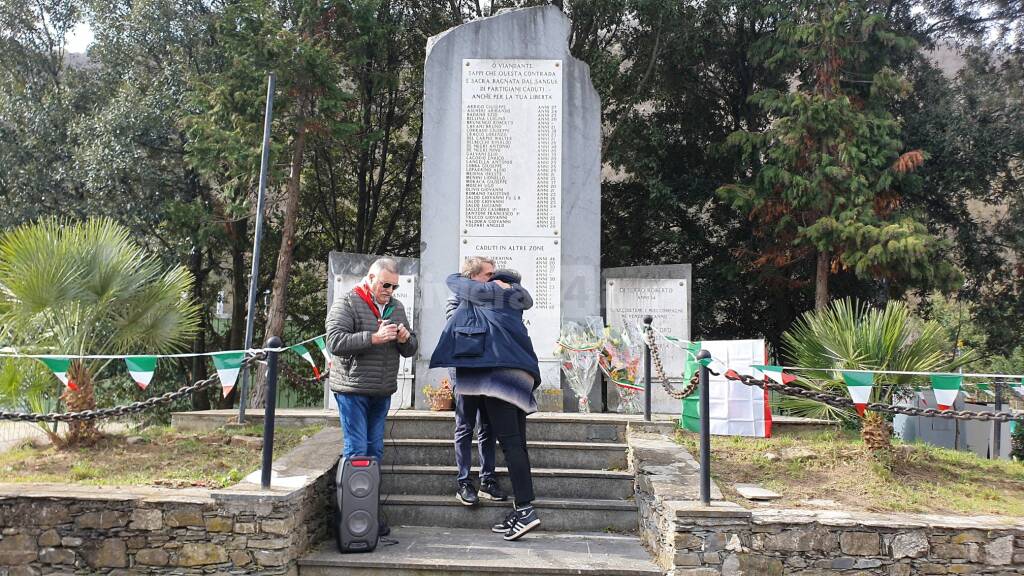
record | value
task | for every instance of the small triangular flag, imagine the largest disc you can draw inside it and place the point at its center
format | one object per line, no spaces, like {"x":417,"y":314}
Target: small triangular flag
{"x":946,"y":388}
{"x":776,"y":374}
{"x":302,"y":351}
{"x":60,"y":366}
{"x":141,"y":368}
{"x":323,"y":350}
{"x":859,"y":384}
{"x":228,"y":364}
{"x":715,"y":365}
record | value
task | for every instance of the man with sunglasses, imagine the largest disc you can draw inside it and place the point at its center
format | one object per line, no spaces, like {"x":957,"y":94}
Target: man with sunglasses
{"x":367,"y":331}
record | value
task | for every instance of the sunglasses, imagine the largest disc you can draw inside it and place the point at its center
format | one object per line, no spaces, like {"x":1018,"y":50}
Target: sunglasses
{"x":388,"y":285}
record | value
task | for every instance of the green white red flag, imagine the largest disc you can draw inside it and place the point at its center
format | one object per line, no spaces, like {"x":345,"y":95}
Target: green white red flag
{"x":141,"y":369}
{"x":59,"y":367}
{"x":859,"y":384}
{"x":946,"y":388}
{"x":302,"y":351}
{"x":775,"y":373}
{"x":228,"y":364}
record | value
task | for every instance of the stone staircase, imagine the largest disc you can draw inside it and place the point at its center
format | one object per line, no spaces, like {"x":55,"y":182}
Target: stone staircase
{"x":585,"y":502}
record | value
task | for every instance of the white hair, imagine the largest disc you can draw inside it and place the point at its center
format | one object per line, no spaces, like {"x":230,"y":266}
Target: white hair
{"x":379,"y":264}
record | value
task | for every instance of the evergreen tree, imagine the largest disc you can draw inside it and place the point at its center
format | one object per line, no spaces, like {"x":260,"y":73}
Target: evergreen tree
{"x":825,"y":173}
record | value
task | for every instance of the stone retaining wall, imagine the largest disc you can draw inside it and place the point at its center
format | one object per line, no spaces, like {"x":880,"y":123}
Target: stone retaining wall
{"x":54,"y":528}
{"x":689,"y":539}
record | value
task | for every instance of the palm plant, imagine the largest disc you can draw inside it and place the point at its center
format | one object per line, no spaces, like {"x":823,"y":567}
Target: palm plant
{"x":87,"y":288}
{"x":850,"y":335}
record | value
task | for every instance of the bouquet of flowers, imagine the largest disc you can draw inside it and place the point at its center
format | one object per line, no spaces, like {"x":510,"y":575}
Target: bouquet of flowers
{"x":578,"y":347}
{"x":620,"y":361}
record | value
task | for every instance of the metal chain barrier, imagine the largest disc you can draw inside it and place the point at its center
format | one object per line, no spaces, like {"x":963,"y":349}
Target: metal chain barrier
{"x":132,"y":408}
{"x":844,"y":402}
{"x":659,"y":370}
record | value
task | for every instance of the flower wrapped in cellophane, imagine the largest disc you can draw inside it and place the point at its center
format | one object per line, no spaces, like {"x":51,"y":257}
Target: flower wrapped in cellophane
{"x":579,"y":346}
{"x":620,"y":361}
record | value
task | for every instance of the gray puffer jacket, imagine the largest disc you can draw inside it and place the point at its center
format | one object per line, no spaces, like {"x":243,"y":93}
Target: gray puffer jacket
{"x":359,"y":367}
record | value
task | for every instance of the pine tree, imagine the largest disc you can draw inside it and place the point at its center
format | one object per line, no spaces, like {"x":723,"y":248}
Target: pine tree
{"x":826,"y":173}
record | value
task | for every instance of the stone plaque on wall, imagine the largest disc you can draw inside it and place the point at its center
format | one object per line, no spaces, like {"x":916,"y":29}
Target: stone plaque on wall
{"x":539,"y":262}
{"x":511,"y":154}
{"x":662,"y":292}
{"x":511,"y":147}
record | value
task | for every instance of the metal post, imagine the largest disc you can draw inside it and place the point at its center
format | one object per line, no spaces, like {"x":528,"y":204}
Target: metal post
{"x":269,"y":410}
{"x":255,"y":271}
{"x":705,"y":431}
{"x":997,"y":426}
{"x":647,"y":368}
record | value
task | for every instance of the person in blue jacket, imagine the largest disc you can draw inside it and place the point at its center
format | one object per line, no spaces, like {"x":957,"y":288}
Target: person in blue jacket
{"x":490,"y":348}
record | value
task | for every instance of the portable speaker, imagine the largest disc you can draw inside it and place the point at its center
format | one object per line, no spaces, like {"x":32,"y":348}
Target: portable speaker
{"x":358,"y":488}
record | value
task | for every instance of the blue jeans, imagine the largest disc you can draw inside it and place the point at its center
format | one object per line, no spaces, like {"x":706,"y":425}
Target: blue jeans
{"x":362,"y":424}
{"x":467,"y":408}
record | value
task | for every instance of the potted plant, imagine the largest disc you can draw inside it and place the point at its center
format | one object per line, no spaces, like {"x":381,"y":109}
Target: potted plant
{"x":440,"y":398}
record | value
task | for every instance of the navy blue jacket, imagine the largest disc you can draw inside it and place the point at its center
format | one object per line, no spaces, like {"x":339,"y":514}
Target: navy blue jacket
{"x":487,"y":329}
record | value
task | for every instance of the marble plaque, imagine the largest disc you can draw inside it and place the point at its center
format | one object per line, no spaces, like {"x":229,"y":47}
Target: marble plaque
{"x":538,"y":260}
{"x":630,"y":299}
{"x":511,"y":147}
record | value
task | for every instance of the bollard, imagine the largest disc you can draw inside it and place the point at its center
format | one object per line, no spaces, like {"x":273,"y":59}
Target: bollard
{"x":705,"y":431}
{"x":270,"y":398}
{"x":997,"y":427}
{"x":647,"y":368}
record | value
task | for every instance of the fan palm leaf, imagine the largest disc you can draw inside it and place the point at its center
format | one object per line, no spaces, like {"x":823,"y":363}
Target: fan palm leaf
{"x":87,"y":288}
{"x":854,"y":336}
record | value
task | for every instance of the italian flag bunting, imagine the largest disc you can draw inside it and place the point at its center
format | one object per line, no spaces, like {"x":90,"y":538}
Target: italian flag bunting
{"x":60,"y":366}
{"x":323,"y":350}
{"x":141,"y":368}
{"x":776,"y":374}
{"x":302,"y":351}
{"x":859,"y":384}
{"x":946,"y":388}
{"x":228,"y":364}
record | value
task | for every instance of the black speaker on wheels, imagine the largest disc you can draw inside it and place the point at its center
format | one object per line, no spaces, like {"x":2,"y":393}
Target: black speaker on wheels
{"x":358,"y":489}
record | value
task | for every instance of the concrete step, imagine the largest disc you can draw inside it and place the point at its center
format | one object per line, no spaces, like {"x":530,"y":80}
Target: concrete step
{"x":465,"y":552}
{"x":543,"y":454}
{"x":550,"y":482}
{"x":556,"y":514}
{"x":553,"y":426}
{"x":539,"y":426}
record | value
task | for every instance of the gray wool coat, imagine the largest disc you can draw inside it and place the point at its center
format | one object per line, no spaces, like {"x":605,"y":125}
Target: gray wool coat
{"x":358,"y":366}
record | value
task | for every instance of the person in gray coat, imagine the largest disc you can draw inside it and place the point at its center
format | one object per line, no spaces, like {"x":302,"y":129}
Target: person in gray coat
{"x":367,"y":331}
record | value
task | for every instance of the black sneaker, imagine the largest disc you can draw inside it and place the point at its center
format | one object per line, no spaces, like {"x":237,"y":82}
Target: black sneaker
{"x":489,"y":489}
{"x":383,"y":530}
{"x":524,"y":521}
{"x":467,"y":494}
{"x":506,"y":524}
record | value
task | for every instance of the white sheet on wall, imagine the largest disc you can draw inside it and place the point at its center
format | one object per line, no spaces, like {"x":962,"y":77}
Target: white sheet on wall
{"x":734,"y":408}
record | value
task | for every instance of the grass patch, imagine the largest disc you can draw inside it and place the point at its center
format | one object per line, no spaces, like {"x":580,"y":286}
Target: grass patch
{"x":835,"y":465}
{"x":159,"y":456}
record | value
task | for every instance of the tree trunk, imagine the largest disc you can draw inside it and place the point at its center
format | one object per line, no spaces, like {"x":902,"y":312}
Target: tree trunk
{"x":238,"y":235}
{"x":275,"y":319}
{"x":200,"y":399}
{"x":80,"y":432}
{"x":821,"y":281}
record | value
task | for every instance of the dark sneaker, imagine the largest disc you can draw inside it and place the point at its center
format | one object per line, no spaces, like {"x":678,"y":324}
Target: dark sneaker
{"x":490,"y":490}
{"x":524,"y":521}
{"x":467,"y":495}
{"x":383,"y":530}
{"x":506,"y":524}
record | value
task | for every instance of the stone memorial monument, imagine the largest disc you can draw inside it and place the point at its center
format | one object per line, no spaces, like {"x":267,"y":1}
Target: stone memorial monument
{"x":344,"y":272}
{"x":511,"y":170}
{"x":662,"y":292}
